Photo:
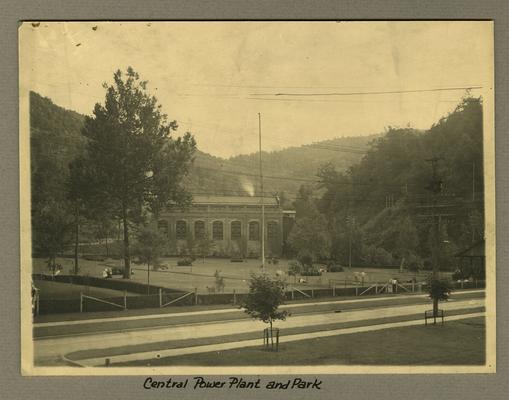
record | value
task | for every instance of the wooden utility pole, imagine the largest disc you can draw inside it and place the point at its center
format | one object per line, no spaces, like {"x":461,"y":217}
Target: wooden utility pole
{"x":76,"y":238}
{"x":435,"y":187}
{"x":261,"y":188}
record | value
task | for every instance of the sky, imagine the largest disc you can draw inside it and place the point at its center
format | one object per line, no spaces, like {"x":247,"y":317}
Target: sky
{"x":310,"y":81}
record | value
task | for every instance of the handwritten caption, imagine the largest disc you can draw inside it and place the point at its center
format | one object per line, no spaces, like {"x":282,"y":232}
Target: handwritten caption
{"x":233,"y":382}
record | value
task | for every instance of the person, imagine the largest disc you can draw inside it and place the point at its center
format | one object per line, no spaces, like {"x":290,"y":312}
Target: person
{"x":394,"y":285}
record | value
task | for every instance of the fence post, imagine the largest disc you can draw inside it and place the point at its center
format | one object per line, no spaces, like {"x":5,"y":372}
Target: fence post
{"x":125,"y":299}
{"x":81,"y":302}
{"x":376,"y":288}
{"x":160,"y":297}
{"x":356,"y":290}
{"x":312,"y":293}
{"x":333,"y":290}
{"x":234,"y":297}
{"x":195,"y":296}
{"x":413,"y":286}
{"x":293,"y":296}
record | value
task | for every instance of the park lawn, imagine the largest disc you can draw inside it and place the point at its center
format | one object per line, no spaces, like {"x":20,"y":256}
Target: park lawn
{"x":236,"y":275}
{"x":415,"y":345}
{"x":64,"y":291}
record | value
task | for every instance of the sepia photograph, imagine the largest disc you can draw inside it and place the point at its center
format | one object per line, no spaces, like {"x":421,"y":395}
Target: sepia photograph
{"x":257,"y":197}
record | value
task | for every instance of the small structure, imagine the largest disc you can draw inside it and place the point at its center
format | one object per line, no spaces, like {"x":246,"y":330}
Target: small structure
{"x":472,"y":261}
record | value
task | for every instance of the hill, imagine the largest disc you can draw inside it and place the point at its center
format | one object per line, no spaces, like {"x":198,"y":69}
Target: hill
{"x":56,"y":140}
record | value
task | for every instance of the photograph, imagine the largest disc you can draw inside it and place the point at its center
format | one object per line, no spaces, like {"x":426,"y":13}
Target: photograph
{"x":257,"y":197}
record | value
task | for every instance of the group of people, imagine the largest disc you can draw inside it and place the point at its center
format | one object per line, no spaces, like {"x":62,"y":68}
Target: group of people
{"x":107,"y":273}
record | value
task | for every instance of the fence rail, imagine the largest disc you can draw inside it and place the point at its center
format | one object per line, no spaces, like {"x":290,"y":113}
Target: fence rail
{"x":84,"y":296}
{"x":177,"y":299}
{"x":170,"y":297}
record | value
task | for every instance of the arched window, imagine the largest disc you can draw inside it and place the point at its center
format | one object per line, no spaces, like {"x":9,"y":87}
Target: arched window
{"x":181,"y":229}
{"x":236,"y":230}
{"x":272,"y":231}
{"x":199,"y":230}
{"x":254,"y":230}
{"x":162,"y":226}
{"x":217,"y":230}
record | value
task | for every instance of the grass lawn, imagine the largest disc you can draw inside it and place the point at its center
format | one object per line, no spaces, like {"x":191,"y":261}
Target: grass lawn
{"x":64,"y":291}
{"x":415,"y":345}
{"x":236,"y":275}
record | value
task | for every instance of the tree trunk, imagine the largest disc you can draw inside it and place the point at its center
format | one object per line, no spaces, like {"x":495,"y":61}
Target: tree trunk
{"x":148,"y":278}
{"x":76,"y":240}
{"x":127,"y":259}
{"x":271,"y":336}
{"x":435,"y":310}
{"x":107,"y":248}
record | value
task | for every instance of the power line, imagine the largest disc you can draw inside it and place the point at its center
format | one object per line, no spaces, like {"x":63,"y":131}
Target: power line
{"x":369,"y":93}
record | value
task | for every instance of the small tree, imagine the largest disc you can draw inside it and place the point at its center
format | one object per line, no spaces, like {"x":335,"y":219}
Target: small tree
{"x":294,"y":269}
{"x":264,"y":298}
{"x":149,"y":248}
{"x":219,"y":281}
{"x":204,"y":247}
{"x":439,"y":290}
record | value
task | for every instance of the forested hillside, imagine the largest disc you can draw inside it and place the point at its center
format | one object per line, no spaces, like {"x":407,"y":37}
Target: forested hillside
{"x":383,"y":208}
{"x":62,"y":141}
{"x":368,"y":194}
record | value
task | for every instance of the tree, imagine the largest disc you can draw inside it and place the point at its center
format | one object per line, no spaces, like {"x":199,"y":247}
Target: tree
{"x":439,"y":290}
{"x":264,"y":298}
{"x":294,"y":269}
{"x":149,"y":247}
{"x":204,"y":246}
{"x":309,"y":236}
{"x":52,"y":233}
{"x":133,"y":163}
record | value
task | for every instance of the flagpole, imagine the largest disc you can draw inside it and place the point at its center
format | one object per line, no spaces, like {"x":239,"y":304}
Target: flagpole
{"x":261,"y":187}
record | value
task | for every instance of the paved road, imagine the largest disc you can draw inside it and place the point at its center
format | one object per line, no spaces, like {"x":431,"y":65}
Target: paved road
{"x":117,"y":321}
{"x":47,"y":350}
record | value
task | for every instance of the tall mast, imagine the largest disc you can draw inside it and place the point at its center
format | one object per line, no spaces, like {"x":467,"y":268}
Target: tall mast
{"x":261,"y":188}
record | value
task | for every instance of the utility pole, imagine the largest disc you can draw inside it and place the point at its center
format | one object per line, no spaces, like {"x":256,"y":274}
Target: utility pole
{"x":261,"y":187}
{"x":435,"y":187}
{"x":350,"y":220}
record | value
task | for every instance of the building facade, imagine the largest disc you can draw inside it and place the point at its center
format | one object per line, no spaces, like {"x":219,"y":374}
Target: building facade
{"x":224,"y":226}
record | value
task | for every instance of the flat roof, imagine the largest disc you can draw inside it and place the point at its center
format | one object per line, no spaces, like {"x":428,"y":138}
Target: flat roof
{"x":235,"y":200}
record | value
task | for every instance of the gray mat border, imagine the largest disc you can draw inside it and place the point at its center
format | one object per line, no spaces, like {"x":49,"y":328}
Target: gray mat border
{"x":13,"y":386}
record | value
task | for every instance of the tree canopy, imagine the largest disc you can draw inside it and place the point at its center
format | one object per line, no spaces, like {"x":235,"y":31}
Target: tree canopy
{"x":264,"y":298}
{"x":132,"y":162}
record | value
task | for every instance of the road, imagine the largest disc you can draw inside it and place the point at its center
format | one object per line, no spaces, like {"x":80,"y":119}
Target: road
{"x":54,"y":340}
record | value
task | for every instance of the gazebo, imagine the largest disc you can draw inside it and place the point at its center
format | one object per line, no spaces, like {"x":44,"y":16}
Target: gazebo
{"x":472,"y":260}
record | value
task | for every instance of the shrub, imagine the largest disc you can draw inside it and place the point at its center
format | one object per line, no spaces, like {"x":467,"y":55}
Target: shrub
{"x":335,"y":268}
{"x":311,"y":271}
{"x":185,"y":262}
{"x":306,"y":260}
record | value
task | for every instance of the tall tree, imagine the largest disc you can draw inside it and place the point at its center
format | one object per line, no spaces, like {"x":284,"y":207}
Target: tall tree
{"x":134,"y":164}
